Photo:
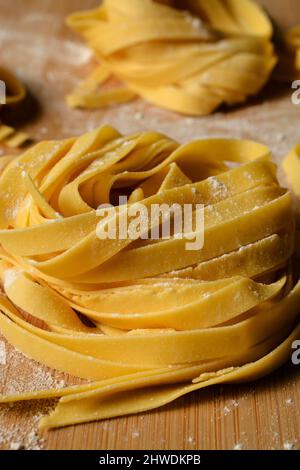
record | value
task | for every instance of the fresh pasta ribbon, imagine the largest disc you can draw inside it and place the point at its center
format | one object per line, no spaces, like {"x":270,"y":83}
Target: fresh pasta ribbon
{"x":15,"y":94}
{"x":145,"y":320}
{"x":291,"y":166}
{"x":4,"y":161}
{"x":188,"y":60}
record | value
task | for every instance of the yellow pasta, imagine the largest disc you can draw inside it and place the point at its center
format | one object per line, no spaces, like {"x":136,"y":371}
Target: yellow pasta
{"x":189,"y":57}
{"x":15,"y":93}
{"x":289,"y":64}
{"x":291,"y":166}
{"x":161,"y":320}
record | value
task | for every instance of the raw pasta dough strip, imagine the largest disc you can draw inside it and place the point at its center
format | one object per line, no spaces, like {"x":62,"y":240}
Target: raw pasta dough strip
{"x":73,"y":410}
{"x":142,"y":379}
{"x":183,"y":317}
{"x":63,"y":233}
{"x":160,"y":348}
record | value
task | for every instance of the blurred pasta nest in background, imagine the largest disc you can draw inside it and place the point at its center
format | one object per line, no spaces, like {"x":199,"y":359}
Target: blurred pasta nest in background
{"x":146,"y":321}
{"x":187,"y":56}
{"x":289,"y":66}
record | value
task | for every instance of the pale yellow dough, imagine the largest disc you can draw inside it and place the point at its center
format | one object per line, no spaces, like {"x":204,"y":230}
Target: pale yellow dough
{"x":167,"y":321}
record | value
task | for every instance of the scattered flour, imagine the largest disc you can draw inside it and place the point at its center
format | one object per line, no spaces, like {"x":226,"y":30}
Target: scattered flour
{"x":10,"y":275}
{"x":2,"y":353}
{"x":19,"y":421}
{"x":15,"y":446}
{"x":289,"y":401}
{"x":238,"y":446}
{"x":19,"y":425}
{"x":138,"y":116}
{"x":288,"y":445}
{"x":219,"y":188}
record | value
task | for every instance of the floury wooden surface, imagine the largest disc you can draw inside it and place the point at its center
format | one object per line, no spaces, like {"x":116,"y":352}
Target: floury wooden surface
{"x":263,"y":415}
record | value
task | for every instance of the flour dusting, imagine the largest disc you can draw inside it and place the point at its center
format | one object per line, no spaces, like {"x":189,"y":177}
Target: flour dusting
{"x":2,"y":353}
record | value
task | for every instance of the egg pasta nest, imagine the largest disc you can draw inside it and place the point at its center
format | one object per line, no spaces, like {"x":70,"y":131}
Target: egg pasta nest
{"x":156,"y":321}
{"x":188,"y":60}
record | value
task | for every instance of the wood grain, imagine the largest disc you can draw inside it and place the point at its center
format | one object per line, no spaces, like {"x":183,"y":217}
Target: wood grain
{"x":262,"y":415}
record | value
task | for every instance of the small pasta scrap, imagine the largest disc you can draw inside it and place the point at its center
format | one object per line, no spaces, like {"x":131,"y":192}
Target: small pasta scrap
{"x":15,"y":93}
{"x":190,"y":57}
{"x":161,"y":320}
{"x":12,"y":138}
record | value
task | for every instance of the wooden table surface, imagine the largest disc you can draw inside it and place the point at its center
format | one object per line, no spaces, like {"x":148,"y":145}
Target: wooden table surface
{"x":35,"y":43}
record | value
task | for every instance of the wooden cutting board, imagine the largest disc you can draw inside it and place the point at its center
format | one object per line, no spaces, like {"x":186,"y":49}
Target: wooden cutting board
{"x":35,"y":43}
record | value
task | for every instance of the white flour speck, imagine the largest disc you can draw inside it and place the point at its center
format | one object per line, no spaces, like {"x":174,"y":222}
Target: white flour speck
{"x":2,"y":353}
{"x":138,"y":116}
{"x":288,"y":445}
{"x":238,"y":446}
{"x":10,"y":275}
{"x":219,"y":188}
{"x":15,"y":446}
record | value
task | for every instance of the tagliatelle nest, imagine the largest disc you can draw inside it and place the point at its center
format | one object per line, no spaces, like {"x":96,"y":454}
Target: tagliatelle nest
{"x":189,"y":56}
{"x":165,"y":320}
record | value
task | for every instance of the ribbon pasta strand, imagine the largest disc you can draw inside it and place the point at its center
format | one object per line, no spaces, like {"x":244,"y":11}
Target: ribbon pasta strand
{"x":188,"y":60}
{"x":291,"y":166}
{"x":161,"y":320}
